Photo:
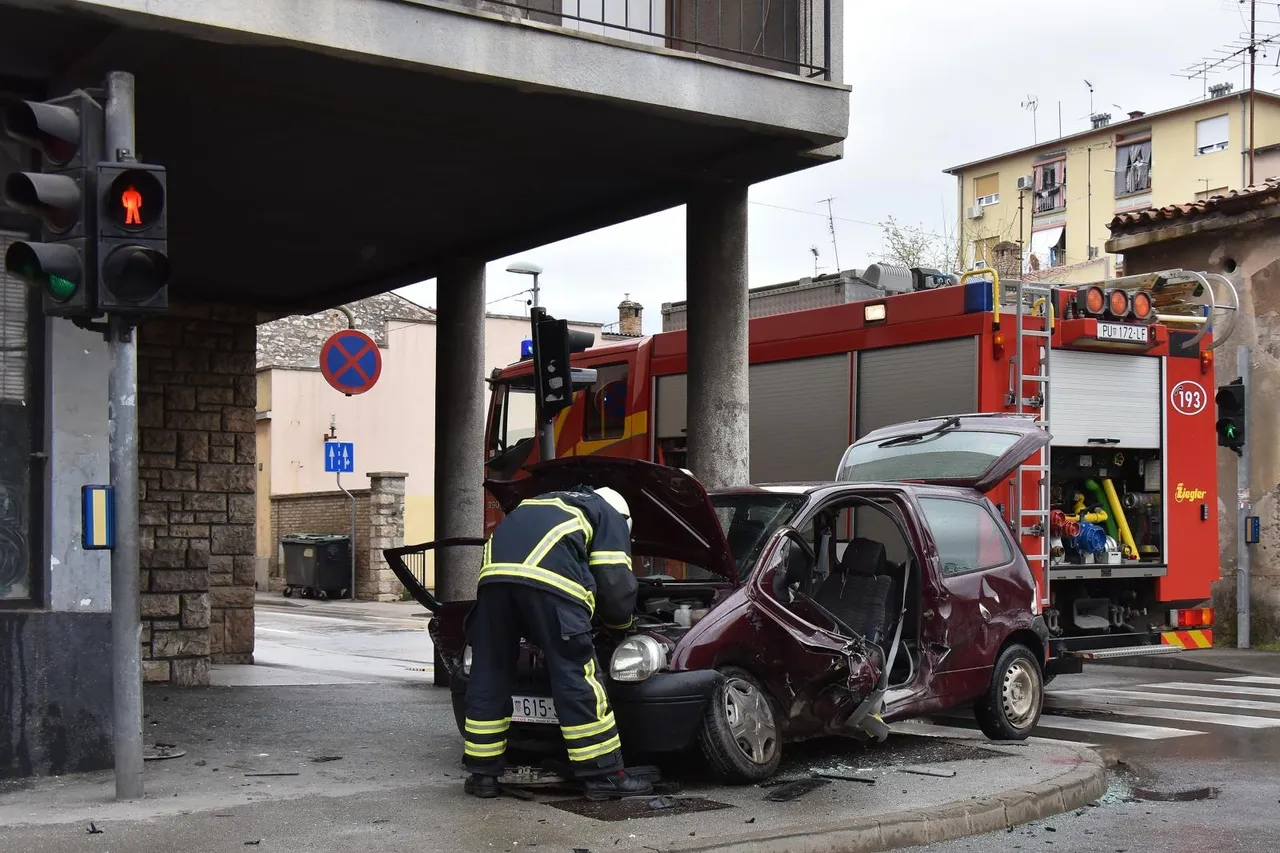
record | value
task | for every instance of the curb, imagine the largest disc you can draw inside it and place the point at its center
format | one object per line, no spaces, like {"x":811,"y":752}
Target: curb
{"x":910,"y":828}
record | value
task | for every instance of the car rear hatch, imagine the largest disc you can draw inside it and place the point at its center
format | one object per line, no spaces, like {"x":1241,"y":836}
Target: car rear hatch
{"x":977,"y":451}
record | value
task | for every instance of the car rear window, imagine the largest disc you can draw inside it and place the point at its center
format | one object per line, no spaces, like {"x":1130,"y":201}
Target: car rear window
{"x":957,"y":455}
{"x":967,"y":537}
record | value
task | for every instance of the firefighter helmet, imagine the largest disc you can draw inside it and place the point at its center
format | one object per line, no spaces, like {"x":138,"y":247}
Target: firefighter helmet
{"x":618,"y":502}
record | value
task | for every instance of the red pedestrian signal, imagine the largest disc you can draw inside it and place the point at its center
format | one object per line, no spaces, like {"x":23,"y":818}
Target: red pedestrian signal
{"x":134,"y":199}
{"x":132,"y":252}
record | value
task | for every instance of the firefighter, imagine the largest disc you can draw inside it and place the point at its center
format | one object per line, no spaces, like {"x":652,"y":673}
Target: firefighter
{"x":555,"y":563}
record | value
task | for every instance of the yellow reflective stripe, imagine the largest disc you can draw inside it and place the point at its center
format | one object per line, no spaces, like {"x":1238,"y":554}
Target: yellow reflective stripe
{"x":484,"y":750}
{"x":569,"y":508}
{"x":586,"y":753}
{"x":630,"y":622}
{"x":599,"y":727}
{"x":546,"y":576}
{"x":488,"y":551}
{"x":493,"y":727}
{"x":549,"y":541}
{"x":604,"y":558}
{"x":602,"y":703}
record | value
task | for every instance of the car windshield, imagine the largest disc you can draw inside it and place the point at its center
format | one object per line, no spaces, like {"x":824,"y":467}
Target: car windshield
{"x":748,"y":520}
{"x":954,"y":455}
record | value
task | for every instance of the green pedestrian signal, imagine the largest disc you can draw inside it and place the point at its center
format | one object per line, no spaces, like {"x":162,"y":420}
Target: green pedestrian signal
{"x":1232,"y":415}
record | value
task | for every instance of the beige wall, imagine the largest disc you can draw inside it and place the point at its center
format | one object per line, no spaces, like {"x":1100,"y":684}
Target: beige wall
{"x":392,"y":425}
{"x":1255,"y":252}
{"x":1178,"y":174}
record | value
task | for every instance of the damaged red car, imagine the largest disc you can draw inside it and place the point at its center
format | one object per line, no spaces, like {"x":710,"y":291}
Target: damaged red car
{"x":775,"y":613}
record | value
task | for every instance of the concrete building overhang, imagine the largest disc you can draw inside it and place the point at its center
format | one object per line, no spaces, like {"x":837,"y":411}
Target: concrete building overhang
{"x":327,"y":150}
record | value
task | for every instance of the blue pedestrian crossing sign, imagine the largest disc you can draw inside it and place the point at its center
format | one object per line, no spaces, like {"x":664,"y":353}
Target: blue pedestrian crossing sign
{"x":339,"y":457}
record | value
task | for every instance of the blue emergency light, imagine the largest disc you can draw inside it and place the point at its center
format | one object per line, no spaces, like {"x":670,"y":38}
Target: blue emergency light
{"x":526,"y":348}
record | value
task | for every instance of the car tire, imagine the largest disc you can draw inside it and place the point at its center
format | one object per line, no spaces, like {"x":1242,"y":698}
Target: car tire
{"x":740,"y":735}
{"x":1011,"y":707}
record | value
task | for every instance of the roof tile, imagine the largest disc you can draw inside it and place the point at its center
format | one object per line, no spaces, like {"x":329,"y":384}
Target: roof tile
{"x":1236,"y":201}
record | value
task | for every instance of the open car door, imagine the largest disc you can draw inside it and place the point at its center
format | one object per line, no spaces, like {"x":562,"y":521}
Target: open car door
{"x":977,"y":451}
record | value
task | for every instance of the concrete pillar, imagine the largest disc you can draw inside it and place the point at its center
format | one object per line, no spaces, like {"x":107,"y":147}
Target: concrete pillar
{"x":716,"y":273}
{"x":460,"y":413}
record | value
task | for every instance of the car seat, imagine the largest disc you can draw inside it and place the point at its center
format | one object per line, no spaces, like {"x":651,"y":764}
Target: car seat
{"x":858,"y":591}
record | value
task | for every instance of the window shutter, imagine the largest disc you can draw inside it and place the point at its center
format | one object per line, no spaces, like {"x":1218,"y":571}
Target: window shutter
{"x":13,"y":332}
{"x":1211,"y":132}
{"x":986,"y":185}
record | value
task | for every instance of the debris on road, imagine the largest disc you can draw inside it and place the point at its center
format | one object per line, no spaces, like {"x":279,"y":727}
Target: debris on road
{"x":1189,"y":795}
{"x":795,"y":789}
{"x":928,"y":771}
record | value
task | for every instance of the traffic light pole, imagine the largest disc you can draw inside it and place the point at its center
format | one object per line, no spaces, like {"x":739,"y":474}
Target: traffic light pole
{"x":1245,"y":503}
{"x":122,"y":393}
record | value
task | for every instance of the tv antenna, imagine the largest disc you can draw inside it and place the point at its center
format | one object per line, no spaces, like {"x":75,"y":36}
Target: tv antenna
{"x":831,"y":226}
{"x":1031,"y":104}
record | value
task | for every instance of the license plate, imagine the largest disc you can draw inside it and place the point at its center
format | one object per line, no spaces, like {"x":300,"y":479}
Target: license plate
{"x":533,"y":709}
{"x":1127,"y":332}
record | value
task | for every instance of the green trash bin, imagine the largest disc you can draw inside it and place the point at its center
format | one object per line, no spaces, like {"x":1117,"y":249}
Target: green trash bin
{"x":317,"y":565}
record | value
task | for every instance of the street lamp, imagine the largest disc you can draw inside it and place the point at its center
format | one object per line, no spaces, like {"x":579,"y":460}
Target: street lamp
{"x":526,"y":268}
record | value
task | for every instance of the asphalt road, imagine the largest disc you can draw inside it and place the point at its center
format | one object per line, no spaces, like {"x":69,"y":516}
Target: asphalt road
{"x":1178,"y":733}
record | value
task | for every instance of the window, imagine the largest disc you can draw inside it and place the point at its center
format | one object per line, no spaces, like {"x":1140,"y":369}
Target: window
{"x":512,"y":417}
{"x":19,"y":431}
{"x":1048,"y":247}
{"x":1050,"y":186}
{"x":983,"y":252}
{"x":955,"y":455}
{"x":986,"y":190}
{"x":1211,"y":135}
{"x":966,"y":535}
{"x":1133,"y":165}
{"x":606,"y":409}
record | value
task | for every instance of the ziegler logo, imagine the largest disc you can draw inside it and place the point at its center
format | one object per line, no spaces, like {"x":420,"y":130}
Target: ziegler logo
{"x":1184,"y":494}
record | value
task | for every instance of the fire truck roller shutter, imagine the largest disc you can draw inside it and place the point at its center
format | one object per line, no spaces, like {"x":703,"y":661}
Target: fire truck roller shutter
{"x":1110,"y":396}
{"x":799,"y":416}
{"x":903,"y":383}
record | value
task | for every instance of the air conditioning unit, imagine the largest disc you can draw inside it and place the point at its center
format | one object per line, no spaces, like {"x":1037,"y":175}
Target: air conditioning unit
{"x":975,"y":212}
{"x":1025,"y":182}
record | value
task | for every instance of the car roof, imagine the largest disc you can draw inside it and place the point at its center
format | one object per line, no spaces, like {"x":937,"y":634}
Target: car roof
{"x":823,"y":488}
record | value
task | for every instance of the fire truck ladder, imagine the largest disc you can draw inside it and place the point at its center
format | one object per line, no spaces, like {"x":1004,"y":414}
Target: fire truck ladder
{"x":1032,"y":299}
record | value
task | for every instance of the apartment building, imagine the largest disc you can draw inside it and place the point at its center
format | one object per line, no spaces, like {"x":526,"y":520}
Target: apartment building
{"x":1054,"y":199}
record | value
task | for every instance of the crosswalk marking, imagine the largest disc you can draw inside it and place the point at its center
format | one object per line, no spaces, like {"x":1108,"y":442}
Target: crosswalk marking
{"x":1252,"y":679}
{"x":1110,"y":727}
{"x":1240,"y":721}
{"x":1203,"y":701}
{"x":1273,"y":692}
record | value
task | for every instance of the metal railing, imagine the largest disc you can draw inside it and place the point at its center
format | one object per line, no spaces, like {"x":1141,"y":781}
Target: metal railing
{"x":791,"y":36}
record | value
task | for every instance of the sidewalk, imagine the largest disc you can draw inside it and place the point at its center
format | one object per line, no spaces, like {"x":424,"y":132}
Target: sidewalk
{"x":377,"y":766}
{"x":342,"y":607}
{"x":1236,"y":661}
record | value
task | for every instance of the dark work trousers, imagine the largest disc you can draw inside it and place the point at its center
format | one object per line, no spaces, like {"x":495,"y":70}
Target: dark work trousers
{"x":502,"y":615}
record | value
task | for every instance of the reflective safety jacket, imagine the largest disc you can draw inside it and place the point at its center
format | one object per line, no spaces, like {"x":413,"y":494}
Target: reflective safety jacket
{"x":571,"y":543}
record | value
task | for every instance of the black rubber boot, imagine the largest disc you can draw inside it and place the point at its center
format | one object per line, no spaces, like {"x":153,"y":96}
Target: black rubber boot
{"x":484,"y":787}
{"x":614,"y":786}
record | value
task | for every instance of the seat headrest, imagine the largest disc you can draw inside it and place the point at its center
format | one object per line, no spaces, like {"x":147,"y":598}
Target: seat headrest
{"x":864,"y":557}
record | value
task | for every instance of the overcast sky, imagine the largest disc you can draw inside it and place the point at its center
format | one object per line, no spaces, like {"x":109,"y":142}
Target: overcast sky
{"x":935,"y":83}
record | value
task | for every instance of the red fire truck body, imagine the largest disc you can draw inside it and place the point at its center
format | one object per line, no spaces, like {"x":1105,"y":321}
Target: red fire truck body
{"x":1130,"y":408}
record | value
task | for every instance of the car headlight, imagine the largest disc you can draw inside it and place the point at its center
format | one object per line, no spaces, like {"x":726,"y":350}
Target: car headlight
{"x":637,"y":658}
{"x":466,"y":661}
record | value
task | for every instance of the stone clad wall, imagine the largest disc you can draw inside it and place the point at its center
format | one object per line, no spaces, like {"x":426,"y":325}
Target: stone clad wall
{"x":197,"y":475}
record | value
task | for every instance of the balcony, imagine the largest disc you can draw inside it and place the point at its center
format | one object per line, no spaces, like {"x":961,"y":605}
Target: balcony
{"x":1051,"y":198}
{"x":787,"y":36}
{"x":328,"y":150}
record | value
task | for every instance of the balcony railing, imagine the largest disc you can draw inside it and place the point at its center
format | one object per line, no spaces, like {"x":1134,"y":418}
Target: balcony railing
{"x":1051,"y":198}
{"x":791,"y":36}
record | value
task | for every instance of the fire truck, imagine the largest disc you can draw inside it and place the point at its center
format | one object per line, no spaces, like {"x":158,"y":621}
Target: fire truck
{"x":1118,"y":515}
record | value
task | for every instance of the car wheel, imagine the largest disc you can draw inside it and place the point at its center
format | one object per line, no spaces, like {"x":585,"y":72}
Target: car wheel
{"x":1011,"y":706}
{"x":740,"y":735}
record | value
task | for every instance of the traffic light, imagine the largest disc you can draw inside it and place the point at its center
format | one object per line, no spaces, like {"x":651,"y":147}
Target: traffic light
{"x":1231,"y":415}
{"x":67,"y":132}
{"x":132,"y":240}
{"x":553,"y":344}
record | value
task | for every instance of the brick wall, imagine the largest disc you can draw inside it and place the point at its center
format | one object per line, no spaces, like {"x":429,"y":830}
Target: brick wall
{"x":319,"y":512}
{"x":197,"y":477}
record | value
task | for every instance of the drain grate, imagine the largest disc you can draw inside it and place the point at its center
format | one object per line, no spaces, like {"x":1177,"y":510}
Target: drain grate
{"x":630,"y":809}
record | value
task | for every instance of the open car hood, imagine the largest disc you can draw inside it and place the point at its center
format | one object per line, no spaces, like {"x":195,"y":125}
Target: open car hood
{"x":977,"y":450}
{"x":671,"y":515}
